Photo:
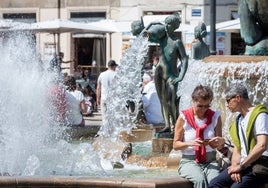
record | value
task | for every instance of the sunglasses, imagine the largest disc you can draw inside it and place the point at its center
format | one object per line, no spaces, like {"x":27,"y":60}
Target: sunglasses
{"x":229,"y":99}
{"x":202,"y":106}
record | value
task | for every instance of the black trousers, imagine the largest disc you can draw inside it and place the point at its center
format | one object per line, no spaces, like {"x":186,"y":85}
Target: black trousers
{"x":248,"y":180}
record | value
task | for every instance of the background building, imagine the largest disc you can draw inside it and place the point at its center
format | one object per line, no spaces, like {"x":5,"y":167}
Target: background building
{"x":86,"y":49}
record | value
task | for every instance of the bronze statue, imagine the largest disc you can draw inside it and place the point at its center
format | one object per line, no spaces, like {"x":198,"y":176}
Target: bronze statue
{"x":136,"y":27}
{"x":167,"y":73}
{"x":254,"y":25}
{"x":200,"y":49}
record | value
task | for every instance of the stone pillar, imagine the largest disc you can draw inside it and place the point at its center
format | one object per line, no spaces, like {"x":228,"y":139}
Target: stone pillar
{"x":212,"y":27}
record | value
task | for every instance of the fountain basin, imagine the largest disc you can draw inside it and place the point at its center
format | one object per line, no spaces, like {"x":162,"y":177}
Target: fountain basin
{"x":96,"y":182}
{"x":238,"y":69}
{"x":235,"y":58}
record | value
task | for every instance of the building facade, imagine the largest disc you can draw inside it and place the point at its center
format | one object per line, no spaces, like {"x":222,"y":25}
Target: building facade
{"x":88,"y":48}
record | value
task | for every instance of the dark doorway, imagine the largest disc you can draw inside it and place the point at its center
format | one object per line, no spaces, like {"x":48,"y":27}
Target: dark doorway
{"x":90,"y":54}
{"x":84,"y":51}
{"x":238,"y":45}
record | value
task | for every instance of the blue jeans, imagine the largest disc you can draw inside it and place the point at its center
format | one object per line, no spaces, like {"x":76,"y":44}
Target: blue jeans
{"x":248,"y":180}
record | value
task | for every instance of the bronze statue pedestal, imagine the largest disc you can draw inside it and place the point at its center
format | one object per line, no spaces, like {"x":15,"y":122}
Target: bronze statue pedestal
{"x":162,"y":145}
{"x":164,"y":135}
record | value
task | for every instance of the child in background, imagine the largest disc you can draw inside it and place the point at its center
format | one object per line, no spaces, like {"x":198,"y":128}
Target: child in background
{"x":89,"y":100}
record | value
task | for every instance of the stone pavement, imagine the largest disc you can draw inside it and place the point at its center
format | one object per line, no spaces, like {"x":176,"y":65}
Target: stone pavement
{"x":92,"y":126}
{"x":94,"y":119}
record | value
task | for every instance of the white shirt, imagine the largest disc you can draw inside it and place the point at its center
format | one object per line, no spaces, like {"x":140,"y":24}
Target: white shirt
{"x":105,"y":78}
{"x":190,"y":132}
{"x":260,"y":127}
{"x":74,"y":99}
{"x":151,"y":104}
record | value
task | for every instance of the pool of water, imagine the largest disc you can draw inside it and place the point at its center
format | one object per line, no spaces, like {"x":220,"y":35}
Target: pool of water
{"x":143,"y":173}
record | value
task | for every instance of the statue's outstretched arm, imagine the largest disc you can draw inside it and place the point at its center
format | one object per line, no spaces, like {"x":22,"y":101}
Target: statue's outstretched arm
{"x":145,"y":30}
{"x":152,"y":23}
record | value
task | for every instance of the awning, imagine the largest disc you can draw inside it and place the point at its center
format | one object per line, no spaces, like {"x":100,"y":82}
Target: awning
{"x":231,"y":26}
{"x":112,"y":25}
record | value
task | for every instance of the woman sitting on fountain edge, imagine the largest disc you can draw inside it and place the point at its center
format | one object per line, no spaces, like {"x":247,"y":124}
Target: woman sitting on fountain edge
{"x":198,"y":131}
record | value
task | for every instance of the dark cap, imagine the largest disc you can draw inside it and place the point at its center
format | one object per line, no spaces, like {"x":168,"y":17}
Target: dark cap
{"x":112,"y":63}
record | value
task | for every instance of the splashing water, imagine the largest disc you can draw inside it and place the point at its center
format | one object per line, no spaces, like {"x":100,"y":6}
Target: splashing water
{"x":29,"y":144}
{"x":22,"y":99}
{"x":126,"y":86}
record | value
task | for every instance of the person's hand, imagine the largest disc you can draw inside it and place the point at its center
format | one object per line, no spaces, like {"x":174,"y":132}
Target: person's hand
{"x":205,"y":142}
{"x":216,"y":142}
{"x":235,"y":172}
{"x":197,"y":142}
{"x":236,"y":168}
{"x":174,"y":80}
{"x":177,"y":80}
{"x":236,"y":177}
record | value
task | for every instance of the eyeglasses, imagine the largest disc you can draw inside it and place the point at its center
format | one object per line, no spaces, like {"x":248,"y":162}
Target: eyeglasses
{"x":228,"y":100}
{"x":202,"y":106}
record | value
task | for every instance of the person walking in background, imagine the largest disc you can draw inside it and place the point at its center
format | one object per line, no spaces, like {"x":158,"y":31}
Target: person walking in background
{"x":249,"y":134}
{"x":104,"y":81}
{"x":56,"y":62}
{"x":198,"y":131}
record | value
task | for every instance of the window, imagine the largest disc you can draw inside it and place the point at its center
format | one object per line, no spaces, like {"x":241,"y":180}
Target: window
{"x":21,"y":17}
{"x":90,"y":48}
{"x":160,"y":12}
{"x":87,"y":16}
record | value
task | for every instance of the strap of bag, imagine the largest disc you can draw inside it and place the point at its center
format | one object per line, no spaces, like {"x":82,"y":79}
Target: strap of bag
{"x":239,"y":128}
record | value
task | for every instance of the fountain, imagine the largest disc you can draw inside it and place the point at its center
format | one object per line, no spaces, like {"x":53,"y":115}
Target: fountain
{"x":36,"y":152}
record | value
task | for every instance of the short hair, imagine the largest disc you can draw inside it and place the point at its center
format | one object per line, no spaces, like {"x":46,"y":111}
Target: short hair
{"x":71,"y":84}
{"x":237,"y":88}
{"x":202,"y":92}
{"x":112,"y":63}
